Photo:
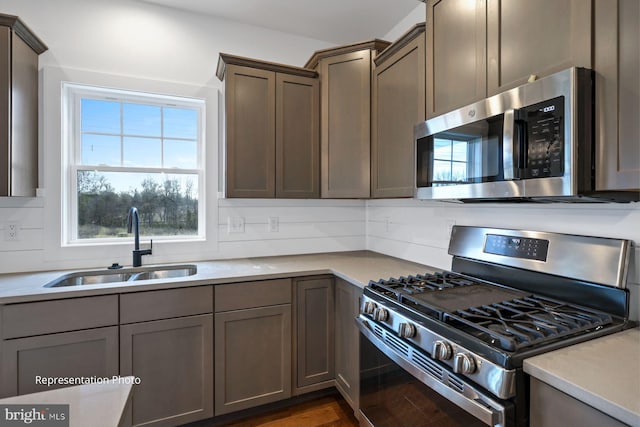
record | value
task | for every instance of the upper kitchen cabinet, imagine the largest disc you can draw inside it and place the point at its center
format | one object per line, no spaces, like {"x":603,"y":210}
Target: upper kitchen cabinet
{"x":345,"y":117}
{"x":19,"y":50}
{"x":272,"y":129}
{"x":617,"y":66}
{"x":537,"y":38}
{"x":398,"y":104}
{"x":479,"y":48}
{"x":456,"y":54}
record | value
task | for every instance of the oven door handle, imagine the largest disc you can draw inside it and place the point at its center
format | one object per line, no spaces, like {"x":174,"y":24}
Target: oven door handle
{"x":490,"y":413}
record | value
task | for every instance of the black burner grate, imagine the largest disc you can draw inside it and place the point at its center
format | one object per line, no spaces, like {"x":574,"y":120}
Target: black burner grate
{"x":525,"y":322}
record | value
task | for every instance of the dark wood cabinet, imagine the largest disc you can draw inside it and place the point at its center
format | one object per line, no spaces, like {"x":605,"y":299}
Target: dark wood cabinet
{"x":347,"y":341}
{"x":456,"y":54}
{"x":345,"y":118}
{"x":75,"y":337}
{"x":252,"y":344}
{"x":617,"y":66}
{"x":272,"y":129}
{"x":86,"y":353}
{"x":314,"y":334}
{"x":479,"y":48}
{"x":398,"y":103}
{"x":551,"y":407}
{"x":19,"y":50}
{"x":166,"y":340}
{"x":526,"y":38}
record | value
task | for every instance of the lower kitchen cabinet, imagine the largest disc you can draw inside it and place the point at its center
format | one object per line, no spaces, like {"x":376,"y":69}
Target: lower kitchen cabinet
{"x":347,"y":341}
{"x":86,"y":353}
{"x":551,"y":407}
{"x":253,"y":357}
{"x":252,"y":344}
{"x":174,"y":360}
{"x":314,"y":334}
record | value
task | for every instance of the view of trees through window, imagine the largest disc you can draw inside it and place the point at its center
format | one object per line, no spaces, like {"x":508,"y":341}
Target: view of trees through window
{"x":134,"y":149}
{"x":166,"y":206}
{"x":450,"y":161}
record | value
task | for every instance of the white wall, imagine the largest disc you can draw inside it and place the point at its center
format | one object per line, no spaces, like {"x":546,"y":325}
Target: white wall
{"x":136,"y":45}
{"x":416,"y":16}
{"x":419,"y":230}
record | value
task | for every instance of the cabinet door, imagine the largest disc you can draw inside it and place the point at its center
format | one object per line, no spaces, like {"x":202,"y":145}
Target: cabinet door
{"x":551,"y":407}
{"x":347,"y":342}
{"x":617,"y":66}
{"x":345,"y":125}
{"x":314,"y":320}
{"x":86,"y":353}
{"x":174,"y":360}
{"x":456,"y":54}
{"x":297,"y":137}
{"x":250,"y":146}
{"x":535,"y":37}
{"x":252,"y":357}
{"x":398,"y":104}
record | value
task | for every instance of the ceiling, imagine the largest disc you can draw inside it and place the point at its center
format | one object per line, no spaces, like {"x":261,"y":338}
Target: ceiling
{"x":336,"y":21}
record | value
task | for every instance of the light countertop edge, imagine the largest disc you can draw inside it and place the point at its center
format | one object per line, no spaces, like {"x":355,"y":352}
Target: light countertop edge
{"x":94,"y":404}
{"x":603,"y":373}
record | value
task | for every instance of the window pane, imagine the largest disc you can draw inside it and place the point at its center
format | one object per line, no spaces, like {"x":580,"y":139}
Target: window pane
{"x":180,"y":123}
{"x":460,"y":149}
{"x":458,"y":171}
{"x":100,"y":150}
{"x":180,"y":154}
{"x":141,"y":120}
{"x":100,"y":116}
{"x":441,"y":171}
{"x":442,"y":149}
{"x":143,"y":152}
{"x":167,"y":203}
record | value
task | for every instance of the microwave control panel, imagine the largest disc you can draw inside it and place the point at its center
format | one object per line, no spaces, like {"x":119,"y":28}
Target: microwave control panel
{"x":545,"y":138}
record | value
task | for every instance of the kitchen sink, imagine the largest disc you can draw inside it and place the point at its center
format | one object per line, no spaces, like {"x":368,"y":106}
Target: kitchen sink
{"x":81,"y":278}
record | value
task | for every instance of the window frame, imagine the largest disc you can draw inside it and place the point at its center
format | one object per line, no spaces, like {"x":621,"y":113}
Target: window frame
{"x":72,"y":95}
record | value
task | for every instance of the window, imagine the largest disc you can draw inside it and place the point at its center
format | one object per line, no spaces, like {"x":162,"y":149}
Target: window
{"x":127,"y":149}
{"x":450,"y":161}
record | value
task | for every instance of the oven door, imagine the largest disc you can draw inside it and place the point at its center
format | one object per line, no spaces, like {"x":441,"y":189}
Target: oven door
{"x":402,"y":387}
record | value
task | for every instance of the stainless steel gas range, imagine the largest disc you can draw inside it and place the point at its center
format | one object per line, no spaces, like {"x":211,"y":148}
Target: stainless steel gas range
{"x":447,"y":348}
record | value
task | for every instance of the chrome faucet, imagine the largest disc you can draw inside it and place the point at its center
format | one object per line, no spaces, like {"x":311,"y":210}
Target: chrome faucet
{"x":133,"y":224}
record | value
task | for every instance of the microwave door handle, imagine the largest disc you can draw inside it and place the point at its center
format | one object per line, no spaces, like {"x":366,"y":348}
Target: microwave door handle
{"x":508,"y":142}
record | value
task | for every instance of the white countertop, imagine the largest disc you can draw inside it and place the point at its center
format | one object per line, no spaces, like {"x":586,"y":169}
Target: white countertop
{"x":603,"y":373}
{"x":96,"y":405}
{"x":355,"y":267}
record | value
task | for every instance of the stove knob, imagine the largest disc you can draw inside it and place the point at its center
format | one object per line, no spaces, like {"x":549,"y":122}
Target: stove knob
{"x":442,"y":350}
{"x":380,"y":314}
{"x":368,"y":307}
{"x":464,"y":364}
{"x":406,"y":330}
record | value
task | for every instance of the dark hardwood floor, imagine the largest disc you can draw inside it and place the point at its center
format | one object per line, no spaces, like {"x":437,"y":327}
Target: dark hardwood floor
{"x":326,"y":411}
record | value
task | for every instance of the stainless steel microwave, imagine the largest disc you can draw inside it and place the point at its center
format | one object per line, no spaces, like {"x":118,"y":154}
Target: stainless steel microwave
{"x":533,"y":142}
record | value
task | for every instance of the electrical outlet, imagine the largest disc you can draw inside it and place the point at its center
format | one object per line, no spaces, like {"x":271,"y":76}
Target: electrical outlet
{"x":11,"y":231}
{"x":274,"y":224}
{"x":235,"y":224}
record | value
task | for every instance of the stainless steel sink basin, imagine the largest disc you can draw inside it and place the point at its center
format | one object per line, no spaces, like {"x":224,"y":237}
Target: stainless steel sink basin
{"x":81,"y":278}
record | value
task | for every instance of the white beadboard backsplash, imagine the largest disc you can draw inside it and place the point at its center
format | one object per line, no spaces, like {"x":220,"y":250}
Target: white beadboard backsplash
{"x":419,"y":230}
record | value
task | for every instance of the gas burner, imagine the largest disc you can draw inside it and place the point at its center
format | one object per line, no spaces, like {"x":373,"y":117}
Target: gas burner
{"x":520,"y":323}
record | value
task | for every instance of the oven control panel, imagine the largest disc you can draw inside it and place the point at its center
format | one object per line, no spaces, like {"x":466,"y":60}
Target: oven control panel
{"x":517,"y":247}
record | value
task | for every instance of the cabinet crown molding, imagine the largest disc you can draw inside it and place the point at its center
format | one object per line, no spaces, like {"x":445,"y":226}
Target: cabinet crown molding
{"x":24,"y":32}
{"x":375,"y":44}
{"x":225,"y":59}
{"x":416,"y":31}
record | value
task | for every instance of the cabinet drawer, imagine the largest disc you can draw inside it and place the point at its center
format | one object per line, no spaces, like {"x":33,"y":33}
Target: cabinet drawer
{"x":154,"y":305}
{"x":237,"y":296}
{"x":47,"y":317}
